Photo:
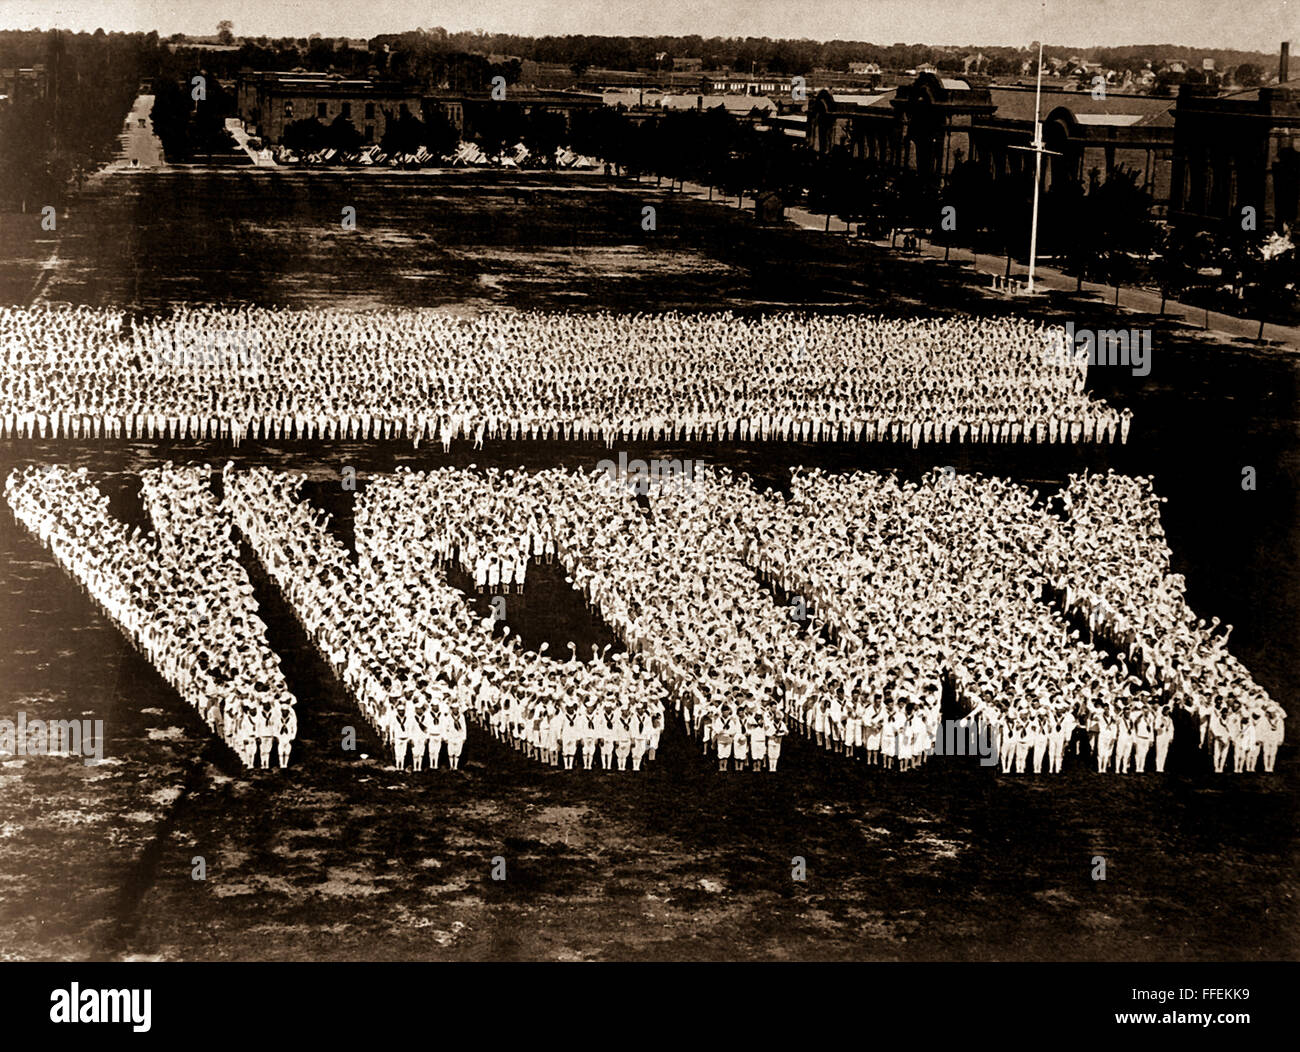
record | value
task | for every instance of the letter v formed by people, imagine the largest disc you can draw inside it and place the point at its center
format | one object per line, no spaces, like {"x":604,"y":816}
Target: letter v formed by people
{"x":176,"y":593}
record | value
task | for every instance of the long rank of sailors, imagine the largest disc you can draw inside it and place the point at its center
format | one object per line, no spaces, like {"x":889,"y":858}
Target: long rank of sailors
{"x":418,"y":375}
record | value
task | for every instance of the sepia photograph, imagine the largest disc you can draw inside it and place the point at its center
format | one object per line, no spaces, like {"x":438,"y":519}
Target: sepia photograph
{"x":668,"y":485}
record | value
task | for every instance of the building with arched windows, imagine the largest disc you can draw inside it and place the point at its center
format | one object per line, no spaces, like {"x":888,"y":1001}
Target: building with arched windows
{"x":862,"y":124}
{"x":1085,"y":133}
{"x":927,"y":126}
{"x":938,"y":118}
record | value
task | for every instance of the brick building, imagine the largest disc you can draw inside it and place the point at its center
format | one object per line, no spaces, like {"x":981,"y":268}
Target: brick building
{"x":1135,"y":131}
{"x":268,"y":102}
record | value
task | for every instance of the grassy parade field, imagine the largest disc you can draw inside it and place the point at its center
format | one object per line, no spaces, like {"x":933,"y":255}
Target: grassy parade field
{"x":341,"y":856}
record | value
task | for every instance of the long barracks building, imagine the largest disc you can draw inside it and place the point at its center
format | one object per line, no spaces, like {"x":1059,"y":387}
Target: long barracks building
{"x":270,"y":101}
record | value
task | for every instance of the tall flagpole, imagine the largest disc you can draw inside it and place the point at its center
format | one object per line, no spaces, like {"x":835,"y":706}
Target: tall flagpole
{"x":1038,"y":164}
{"x":1037,"y":147}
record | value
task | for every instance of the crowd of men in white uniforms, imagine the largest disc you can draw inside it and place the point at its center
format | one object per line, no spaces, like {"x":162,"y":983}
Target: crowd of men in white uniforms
{"x":670,"y":581}
{"x":911,"y":586}
{"x":422,"y":375}
{"x":896,"y":589}
{"x":974,"y":580}
{"x":609,"y":710}
{"x":1114,"y":571}
{"x":178,"y":593}
{"x":419,"y":661}
{"x":479,"y":529}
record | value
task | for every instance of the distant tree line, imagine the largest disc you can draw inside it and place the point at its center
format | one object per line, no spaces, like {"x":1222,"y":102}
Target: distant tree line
{"x":768,"y":55}
{"x":435,"y":57}
{"x":413,"y":58}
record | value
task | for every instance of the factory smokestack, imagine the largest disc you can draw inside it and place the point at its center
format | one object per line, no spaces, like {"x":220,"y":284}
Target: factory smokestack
{"x":1284,"y":63}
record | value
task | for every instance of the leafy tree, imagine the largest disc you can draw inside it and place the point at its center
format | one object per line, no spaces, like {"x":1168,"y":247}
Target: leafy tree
{"x":304,"y":136}
{"x":1169,"y":266}
{"x":26,"y":171}
{"x":1273,"y":273}
{"x":190,"y":127}
{"x":1248,"y":75}
{"x":320,"y":54}
{"x":1259,"y":268}
{"x":1010,"y":211}
{"x":497,"y":125}
{"x":440,"y":135}
{"x":837,"y":187}
{"x":969,"y":190}
{"x":170,"y":118}
{"x":718,"y":134}
{"x":602,"y":132}
{"x":403,"y":132}
{"x":543,"y":133}
{"x":1122,"y":211}
{"x":512,"y":70}
{"x":342,"y":135}
{"x":1080,"y":233}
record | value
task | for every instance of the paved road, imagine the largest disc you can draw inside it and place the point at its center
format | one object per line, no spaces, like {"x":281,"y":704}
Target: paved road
{"x":141,"y":148}
{"x":1144,"y":301}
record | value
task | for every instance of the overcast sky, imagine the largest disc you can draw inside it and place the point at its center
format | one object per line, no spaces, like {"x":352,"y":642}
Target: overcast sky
{"x":1247,"y":24}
